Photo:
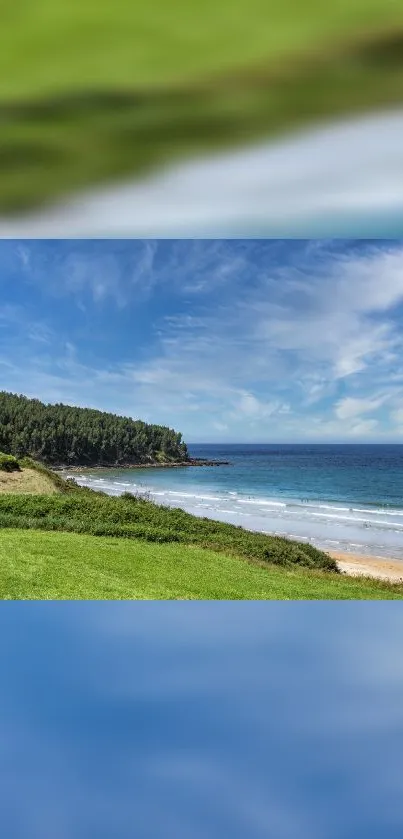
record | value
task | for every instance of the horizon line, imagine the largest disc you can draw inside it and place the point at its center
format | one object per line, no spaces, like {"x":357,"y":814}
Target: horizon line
{"x":291,"y":443}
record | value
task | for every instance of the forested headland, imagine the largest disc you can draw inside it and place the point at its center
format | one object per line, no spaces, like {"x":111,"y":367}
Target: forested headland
{"x":63,"y":435}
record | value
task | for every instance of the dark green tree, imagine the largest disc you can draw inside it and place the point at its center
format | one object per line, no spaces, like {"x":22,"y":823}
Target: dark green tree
{"x":66,"y":435}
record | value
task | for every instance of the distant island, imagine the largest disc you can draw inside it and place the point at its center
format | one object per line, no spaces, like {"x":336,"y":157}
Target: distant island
{"x":65,"y":436}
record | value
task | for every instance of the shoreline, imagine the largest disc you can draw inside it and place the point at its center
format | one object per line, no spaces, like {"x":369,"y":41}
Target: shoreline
{"x":352,"y":564}
{"x":176,"y":465}
{"x":359,"y":565}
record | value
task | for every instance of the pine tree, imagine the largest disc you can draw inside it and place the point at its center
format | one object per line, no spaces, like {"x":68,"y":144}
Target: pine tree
{"x":61,"y":434}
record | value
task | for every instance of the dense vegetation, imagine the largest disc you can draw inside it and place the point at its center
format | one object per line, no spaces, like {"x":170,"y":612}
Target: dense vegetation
{"x":69,"y":566}
{"x":8,"y":463}
{"x":85,"y":511}
{"x":65,"y":435}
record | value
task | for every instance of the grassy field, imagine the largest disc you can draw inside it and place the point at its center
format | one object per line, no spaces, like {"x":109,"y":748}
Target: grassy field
{"x":96,"y":514}
{"x":61,"y":541}
{"x":48,"y":47}
{"x":94,"y":94}
{"x":59,"y":566}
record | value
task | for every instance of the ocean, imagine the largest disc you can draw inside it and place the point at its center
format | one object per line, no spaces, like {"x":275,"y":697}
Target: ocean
{"x":346,"y":498}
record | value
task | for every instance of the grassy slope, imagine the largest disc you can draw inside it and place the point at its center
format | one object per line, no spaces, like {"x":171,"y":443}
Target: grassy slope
{"x":75,"y":509}
{"x":54,"y":566}
{"x":96,"y":514}
{"x":132,"y":44}
{"x":190,"y":78}
{"x":161,"y":553}
{"x":27,"y":481}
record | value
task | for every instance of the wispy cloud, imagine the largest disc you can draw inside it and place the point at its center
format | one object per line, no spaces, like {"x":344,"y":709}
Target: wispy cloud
{"x":101,"y":272}
{"x":251,"y":339}
{"x":351,"y":407}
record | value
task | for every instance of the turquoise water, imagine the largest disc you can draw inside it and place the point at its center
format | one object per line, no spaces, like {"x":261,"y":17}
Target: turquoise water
{"x":341,"y":497}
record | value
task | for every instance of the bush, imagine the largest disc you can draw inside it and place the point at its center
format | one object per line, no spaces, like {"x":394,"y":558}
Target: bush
{"x":9,"y":463}
{"x":138,"y":496}
{"x":131,"y":517}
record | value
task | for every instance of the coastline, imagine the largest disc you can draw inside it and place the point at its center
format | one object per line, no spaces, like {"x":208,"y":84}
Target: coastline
{"x":358,"y":565}
{"x":361,"y":563}
{"x":375,"y":565}
{"x":194,"y":461}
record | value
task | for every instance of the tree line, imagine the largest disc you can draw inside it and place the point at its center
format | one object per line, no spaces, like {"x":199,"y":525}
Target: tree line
{"x":65,"y":435}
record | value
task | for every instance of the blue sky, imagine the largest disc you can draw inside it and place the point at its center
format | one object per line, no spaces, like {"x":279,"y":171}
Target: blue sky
{"x":225,"y":340}
{"x":196,"y":720}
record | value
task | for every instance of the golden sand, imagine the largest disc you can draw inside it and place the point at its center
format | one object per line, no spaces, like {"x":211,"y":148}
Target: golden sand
{"x":370,"y":566}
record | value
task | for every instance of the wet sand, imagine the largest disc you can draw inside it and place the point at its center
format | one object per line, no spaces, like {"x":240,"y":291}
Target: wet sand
{"x":370,"y":566}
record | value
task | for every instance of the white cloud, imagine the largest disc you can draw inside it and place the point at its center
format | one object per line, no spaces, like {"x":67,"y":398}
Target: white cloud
{"x":41,"y":333}
{"x":250,"y":406}
{"x":24,"y":255}
{"x":364,"y":428}
{"x":397,"y":416}
{"x":333,"y":321}
{"x":350,"y":407}
{"x":275,"y":344}
{"x":373,"y":282}
{"x":105,"y":275}
{"x":220,"y":426}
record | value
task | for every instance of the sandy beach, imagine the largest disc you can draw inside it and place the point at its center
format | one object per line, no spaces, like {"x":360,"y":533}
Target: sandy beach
{"x":370,"y":566}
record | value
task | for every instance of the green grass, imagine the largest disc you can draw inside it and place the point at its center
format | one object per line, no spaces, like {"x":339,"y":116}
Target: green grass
{"x":87,"y":512}
{"x":90,"y":95}
{"x":48,"y":47}
{"x":59,"y":566}
{"x":81,"y":544}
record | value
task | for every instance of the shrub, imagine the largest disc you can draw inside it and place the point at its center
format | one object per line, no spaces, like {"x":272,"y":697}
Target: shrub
{"x":131,"y":517}
{"x":138,"y":496}
{"x":9,"y":463}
